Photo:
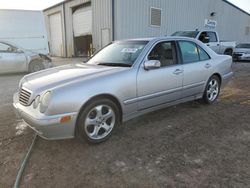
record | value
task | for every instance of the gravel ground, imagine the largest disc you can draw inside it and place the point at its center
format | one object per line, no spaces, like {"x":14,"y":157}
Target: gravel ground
{"x":188,"y":145}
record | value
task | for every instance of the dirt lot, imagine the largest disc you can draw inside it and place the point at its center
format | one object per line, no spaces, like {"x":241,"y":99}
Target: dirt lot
{"x":188,"y":145}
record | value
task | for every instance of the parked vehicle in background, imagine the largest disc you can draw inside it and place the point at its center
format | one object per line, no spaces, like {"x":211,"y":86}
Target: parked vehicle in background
{"x":24,"y":28}
{"x":15,"y":59}
{"x":211,"y":39}
{"x":242,"y":52}
{"x":124,"y":80}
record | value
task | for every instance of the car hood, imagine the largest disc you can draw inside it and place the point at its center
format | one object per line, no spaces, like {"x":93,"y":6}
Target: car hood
{"x":242,"y":50}
{"x":58,"y":76}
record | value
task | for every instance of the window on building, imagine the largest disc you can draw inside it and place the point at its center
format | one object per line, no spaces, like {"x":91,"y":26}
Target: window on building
{"x":155,"y":17}
{"x":247,"y":32}
{"x":165,"y":53}
{"x":189,"y":52}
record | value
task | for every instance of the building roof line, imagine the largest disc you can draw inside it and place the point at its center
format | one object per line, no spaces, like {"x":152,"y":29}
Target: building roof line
{"x":58,"y":4}
{"x":226,"y":1}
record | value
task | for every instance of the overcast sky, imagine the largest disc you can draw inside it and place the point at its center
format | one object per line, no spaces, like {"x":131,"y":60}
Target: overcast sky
{"x":42,"y":4}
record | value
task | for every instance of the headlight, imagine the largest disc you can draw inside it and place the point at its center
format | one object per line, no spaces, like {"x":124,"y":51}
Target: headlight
{"x":44,"y":101}
{"x":36,"y":102}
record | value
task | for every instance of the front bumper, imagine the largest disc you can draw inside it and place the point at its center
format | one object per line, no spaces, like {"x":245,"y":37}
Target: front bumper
{"x":48,"y":127}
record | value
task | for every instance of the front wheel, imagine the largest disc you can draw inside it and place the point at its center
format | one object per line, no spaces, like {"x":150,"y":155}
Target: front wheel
{"x":97,"y":121}
{"x":212,"y":90}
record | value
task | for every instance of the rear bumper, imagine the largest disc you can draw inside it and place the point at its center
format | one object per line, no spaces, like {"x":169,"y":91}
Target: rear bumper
{"x":226,"y":78}
{"x":48,"y":127}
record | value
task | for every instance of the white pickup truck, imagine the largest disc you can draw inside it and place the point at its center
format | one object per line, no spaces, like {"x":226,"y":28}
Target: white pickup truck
{"x":211,"y":39}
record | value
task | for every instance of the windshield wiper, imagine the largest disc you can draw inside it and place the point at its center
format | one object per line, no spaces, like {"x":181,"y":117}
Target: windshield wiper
{"x":115,"y":64}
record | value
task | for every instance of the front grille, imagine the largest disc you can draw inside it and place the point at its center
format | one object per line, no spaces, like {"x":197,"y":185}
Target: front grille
{"x":24,"y":97}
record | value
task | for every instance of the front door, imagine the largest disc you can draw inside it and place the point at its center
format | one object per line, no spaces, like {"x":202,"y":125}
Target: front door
{"x":161,"y":85}
{"x":213,"y":41}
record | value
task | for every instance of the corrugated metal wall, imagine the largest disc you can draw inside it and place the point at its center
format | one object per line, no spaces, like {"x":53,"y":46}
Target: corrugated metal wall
{"x":132,"y":18}
{"x":102,"y":19}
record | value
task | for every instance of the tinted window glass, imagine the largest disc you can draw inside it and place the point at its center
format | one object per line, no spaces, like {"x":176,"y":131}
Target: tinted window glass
{"x":203,"y":55}
{"x":189,"y":52}
{"x":212,"y":36}
{"x":165,"y":53}
{"x":191,"y":34}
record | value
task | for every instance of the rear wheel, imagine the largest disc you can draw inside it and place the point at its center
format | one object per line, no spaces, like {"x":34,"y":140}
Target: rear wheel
{"x":97,"y":121}
{"x":212,"y":90}
{"x":36,"y":66}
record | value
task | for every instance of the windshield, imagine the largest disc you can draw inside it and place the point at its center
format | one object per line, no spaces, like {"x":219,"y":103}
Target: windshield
{"x":190,"y":34}
{"x":119,"y":54}
{"x":243,"y":46}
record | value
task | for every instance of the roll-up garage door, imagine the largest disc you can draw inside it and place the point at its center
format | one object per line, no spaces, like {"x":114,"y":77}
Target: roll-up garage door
{"x":56,"y":40}
{"x":82,"y":21}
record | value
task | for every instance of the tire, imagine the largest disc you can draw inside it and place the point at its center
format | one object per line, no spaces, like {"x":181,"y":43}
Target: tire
{"x":228,"y":52}
{"x":212,"y":90}
{"x":36,"y":66}
{"x":97,"y":121}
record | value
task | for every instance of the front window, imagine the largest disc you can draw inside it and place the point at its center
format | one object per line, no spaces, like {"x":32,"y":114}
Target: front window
{"x":243,"y":46}
{"x":5,"y":48}
{"x":190,"y":34}
{"x":165,"y":53}
{"x":122,"y":53}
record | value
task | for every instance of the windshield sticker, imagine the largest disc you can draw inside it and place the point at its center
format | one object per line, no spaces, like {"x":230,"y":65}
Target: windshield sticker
{"x":129,"y":50}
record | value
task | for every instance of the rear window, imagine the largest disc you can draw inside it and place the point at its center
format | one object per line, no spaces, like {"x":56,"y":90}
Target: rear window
{"x":190,"y":34}
{"x":243,"y":46}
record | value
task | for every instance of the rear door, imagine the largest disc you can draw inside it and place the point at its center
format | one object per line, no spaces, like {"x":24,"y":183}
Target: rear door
{"x":164,"y":84}
{"x":196,"y":66}
{"x":11,"y":60}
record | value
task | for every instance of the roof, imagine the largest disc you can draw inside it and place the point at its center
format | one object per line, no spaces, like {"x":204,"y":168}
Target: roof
{"x":58,"y":4}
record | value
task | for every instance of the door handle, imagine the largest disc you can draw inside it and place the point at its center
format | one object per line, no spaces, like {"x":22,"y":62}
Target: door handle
{"x":178,"y":71}
{"x":208,"y":44}
{"x":218,"y":44}
{"x":208,"y":66}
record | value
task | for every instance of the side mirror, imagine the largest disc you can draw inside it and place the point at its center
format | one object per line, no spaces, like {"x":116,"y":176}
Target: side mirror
{"x":152,"y":64}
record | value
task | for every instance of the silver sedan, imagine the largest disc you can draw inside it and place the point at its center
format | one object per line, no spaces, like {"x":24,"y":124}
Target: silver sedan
{"x":242,"y":52}
{"x":15,"y":59}
{"x":122,"y":81}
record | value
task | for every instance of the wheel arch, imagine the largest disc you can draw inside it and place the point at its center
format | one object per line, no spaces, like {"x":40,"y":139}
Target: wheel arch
{"x":219,"y":76}
{"x":102,"y":96}
{"x":228,"y":49}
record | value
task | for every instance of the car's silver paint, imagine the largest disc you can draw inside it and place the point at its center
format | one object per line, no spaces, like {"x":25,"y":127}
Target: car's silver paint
{"x":137,"y":90}
{"x":243,"y":54}
{"x":20,"y":60}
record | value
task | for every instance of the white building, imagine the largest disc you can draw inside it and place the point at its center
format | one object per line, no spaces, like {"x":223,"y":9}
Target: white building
{"x":77,"y":27}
